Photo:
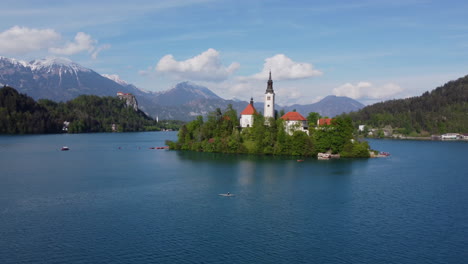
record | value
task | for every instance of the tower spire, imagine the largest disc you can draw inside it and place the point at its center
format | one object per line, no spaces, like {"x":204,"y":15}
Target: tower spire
{"x":269,"y":108}
{"x":270,"y":85}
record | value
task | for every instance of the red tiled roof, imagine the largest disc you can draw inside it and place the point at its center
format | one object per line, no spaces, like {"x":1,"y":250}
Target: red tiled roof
{"x":293,"y":116}
{"x":249,"y":110}
{"x":324,"y":121}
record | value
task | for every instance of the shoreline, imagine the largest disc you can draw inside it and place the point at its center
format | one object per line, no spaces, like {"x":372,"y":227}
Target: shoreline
{"x":421,"y":139}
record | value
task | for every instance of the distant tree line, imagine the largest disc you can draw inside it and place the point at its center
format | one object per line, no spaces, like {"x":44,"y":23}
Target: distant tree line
{"x":220,"y":132}
{"x":442,"y":110}
{"x":20,"y":114}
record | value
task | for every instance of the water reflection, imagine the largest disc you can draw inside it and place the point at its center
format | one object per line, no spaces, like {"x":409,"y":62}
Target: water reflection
{"x":250,"y":169}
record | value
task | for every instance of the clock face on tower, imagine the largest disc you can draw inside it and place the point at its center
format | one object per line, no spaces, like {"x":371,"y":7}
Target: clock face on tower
{"x":268,"y":105}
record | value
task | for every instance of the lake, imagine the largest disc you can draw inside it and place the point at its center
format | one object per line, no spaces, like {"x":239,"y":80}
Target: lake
{"x":112,"y":199}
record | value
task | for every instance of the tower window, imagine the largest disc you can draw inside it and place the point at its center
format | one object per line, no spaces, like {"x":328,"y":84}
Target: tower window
{"x":268,"y":105}
{"x":268,"y":98}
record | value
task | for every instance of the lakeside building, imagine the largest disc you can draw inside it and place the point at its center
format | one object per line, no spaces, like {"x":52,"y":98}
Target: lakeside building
{"x":247,"y":115}
{"x":449,"y":136}
{"x":324,"y":121}
{"x":293,"y":121}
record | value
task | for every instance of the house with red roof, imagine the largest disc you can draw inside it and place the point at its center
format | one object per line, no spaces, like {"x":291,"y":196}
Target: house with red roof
{"x":293,"y":121}
{"x":324,"y":121}
{"x":247,"y":115}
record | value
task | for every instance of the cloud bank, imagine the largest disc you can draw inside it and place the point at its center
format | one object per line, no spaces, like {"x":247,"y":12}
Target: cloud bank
{"x":83,"y":42}
{"x":206,"y":66}
{"x":366,"y":90}
{"x":22,"y":40}
{"x":284,"y":68}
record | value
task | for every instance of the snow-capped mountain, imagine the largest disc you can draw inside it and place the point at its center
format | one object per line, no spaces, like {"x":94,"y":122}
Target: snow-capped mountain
{"x":115,"y":78}
{"x":56,"y":65}
{"x":61,"y":79}
{"x":58,"y":79}
{"x":12,"y":62}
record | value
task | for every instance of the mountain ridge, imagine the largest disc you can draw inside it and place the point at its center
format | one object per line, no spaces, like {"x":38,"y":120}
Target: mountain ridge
{"x":61,"y":79}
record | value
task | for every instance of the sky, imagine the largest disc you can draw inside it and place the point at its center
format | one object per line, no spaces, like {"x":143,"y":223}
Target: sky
{"x":369,"y":50}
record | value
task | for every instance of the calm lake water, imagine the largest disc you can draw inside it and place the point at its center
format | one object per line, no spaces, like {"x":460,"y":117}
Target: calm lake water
{"x":111,"y":199}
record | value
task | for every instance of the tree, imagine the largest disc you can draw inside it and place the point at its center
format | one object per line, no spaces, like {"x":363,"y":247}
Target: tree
{"x":281,"y":113}
{"x":333,"y":137}
{"x":312,"y":118}
{"x":86,"y":113}
{"x":440,"y":110}
{"x":271,"y":139}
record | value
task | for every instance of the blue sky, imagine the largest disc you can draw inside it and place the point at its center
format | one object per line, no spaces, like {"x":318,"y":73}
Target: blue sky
{"x":368,"y":50}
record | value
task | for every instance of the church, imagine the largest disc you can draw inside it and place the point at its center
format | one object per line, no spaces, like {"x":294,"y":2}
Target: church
{"x":293,"y":120}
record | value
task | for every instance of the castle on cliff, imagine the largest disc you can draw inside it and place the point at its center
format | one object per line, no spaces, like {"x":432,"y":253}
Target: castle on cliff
{"x":130,"y":100}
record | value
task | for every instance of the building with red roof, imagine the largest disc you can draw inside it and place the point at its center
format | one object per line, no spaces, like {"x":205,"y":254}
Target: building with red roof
{"x":294,"y":121}
{"x":324,"y":121}
{"x":247,"y":115}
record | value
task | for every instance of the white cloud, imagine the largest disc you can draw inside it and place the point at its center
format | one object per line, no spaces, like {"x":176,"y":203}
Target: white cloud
{"x":288,"y":96}
{"x":83,"y":42}
{"x":243,"y":90}
{"x":366,"y":90}
{"x":99,"y":49}
{"x":22,"y":40}
{"x":204,"y":67}
{"x":283,"y":68}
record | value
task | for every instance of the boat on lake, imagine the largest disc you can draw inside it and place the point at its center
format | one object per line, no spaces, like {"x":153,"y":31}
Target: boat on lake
{"x":65,"y":148}
{"x":226,"y":194}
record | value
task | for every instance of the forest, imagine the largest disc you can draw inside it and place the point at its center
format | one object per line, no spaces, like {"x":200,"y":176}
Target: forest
{"x":220,"y":132}
{"x":20,"y":114}
{"x":442,"y":110}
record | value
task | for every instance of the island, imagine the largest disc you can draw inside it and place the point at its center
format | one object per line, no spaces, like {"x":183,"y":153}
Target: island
{"x":271,"y":133}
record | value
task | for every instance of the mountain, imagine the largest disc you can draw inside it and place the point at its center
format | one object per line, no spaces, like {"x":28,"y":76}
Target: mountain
{"x":329,"y":106}
{"x":184,"y":93}
{"x":58,"y":79}
{"x":125,"y":85}
{"x":116,"y":78}
{"x":61,"y":79}
{"x":442,"y":110}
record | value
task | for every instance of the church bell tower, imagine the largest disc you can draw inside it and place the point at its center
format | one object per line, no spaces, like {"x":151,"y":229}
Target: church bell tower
{"x":269,"y":110}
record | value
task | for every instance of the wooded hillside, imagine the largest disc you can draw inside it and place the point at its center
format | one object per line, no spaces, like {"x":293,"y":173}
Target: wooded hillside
{"x":20,"y":114}
{"x":445,"y":109}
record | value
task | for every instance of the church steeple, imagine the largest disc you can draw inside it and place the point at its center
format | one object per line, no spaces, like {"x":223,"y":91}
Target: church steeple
{"x":269,"y":108}
{"x":270,"y":86}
